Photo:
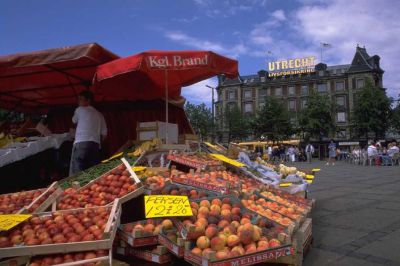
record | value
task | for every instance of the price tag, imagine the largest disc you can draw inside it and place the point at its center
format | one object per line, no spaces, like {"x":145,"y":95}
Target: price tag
{"x":309,"y":177}
{"x":226,"y":160}
{"x":316,"y":170}
{"x":309,"y":181}
{"x":285,"y":184}
{"x":166,"y":206}
{"x":8,"y":221}
{"x":138,"y":168}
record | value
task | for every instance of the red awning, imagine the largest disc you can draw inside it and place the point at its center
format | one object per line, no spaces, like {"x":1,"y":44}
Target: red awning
{"x":145,"y":76}
{"x":37,"y":81}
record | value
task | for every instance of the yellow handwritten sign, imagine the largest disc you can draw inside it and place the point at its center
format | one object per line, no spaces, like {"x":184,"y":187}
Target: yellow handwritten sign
{"x":166,"y":206}
{"x":285,"y":184}
{"x":226,"y":160}
{"x":309,"y":177}
{"x":316,"y":170}
{"x":8,"y":221}
{"x":309,"y":181}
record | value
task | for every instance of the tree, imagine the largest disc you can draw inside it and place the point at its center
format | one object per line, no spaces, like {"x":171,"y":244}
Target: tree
{"x":236,"y":123}
{"x":201,"y":119}
{"x":395,"y":119}
{"x":372,"y":112}
{"x":273,"y":121}
{"x":315,"y":120}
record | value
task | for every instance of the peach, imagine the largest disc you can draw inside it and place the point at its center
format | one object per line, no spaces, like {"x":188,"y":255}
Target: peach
{"x":216,"y":202}
{"x":203,"y":210}
{"x":232,"y":240}
{"x":149,"y":228}
{"x":245,"y":221}
{"x":197,"y":251}
{"x":262,"y":245}
{"x":226,"y":207}
{"x":223,"y":223}
{"x":274,"y":243}
{"x":256,"y":233}
{"x":216,"y":208}
{"x":214,"y":213}
{"x":236,"y":211}
{"x":203,"y":242}
{"x":206,"y":252}
{"x":202,"y":221}
{"x":220,"y":255}
{"x":217,"y":243}
{"x":246,"y":236}
{"x":225,"y":212}
{"x":226,"y":200}
{"x":167,"y":224}
{"x":229,"y":230}
{"x":205,"y":203}
{"x":250,"y":248}
{"x":138,"y":227}
{"x":200,"y":228}
{"x":194,"y":205}
{"x":235,"y":224}
{"x":237,"y":251}
{"x":211,"y":231}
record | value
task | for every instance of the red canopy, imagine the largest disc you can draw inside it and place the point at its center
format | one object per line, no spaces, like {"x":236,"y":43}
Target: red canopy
{"x":144,"y":76}
{"x":37,"y":81}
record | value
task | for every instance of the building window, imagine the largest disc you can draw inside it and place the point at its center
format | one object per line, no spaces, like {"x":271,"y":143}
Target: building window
{"x":341,"y":134}
{"x":292,"y":105}
{"x":232,"y":95}
{"x":291,"y":90}
{"x":341,"y":117}
{"x":340,"y":100}
{"x":262,"y":93}
{"x":261,"y":105}
{"x":278,"y":91}
{"x":304,"y":89}
{"x":360,"y":84}
{"x":339,"y":85}
{"x":248,"y":107}
{"x":303,"y":103}
{"x":248,"y":94}
{"x":322,"y":87}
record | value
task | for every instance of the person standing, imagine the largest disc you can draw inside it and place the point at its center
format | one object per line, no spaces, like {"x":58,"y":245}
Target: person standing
{"x":309,"y":152}
{"x":91,"y":129}
{"x":269,"y":151}
{"x":331,"y":153}
{"x":292,"y":154}
{"x":372,"y":152}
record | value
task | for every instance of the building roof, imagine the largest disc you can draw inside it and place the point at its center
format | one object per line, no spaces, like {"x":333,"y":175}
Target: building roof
{"x":362,"y":61}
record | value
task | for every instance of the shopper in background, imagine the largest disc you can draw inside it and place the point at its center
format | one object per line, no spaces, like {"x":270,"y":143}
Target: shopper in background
{"x":372,"y":151}
{"x":91,"y":129}
{"x":331,"y":153}
{"x":309,"y":152}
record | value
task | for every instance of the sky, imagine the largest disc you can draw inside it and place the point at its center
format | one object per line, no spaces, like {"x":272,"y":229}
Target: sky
{"x":254,"y":32}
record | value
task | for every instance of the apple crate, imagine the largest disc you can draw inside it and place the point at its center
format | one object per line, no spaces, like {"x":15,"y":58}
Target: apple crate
{"x":158,"y":255}
{"x":139,"y":191}
{"x":138,"y":238}
{"x":40,"y":203}
{"x":205,"y":186}
{"x":290,"y":197}
{"x":248,"y":259}
{"x":303,"y":236}
{"x":105,"y":243}
{"x":177,"y":248}
{"x":17,"y":261}
{"x":179,"y":187}
{"x":194,"y":161}
{"x":300,"y":207}
{"x":100,"y":260}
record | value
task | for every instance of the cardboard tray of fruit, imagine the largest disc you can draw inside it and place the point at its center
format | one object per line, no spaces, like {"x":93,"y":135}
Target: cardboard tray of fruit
{"x":98,"y":257}
{"x":196,"y":161}
{"x":170,"y":238}
{"x":62,"y":232}
{"x":158,"y":255}
{"x":290,"y":197}
{"x":22,"y":260}
{"x":224,"y":258}
{"x":31,"y":201}
{"x":120,"y":182}
{"x":141,"y":233}
{"x":193,"y":193}
{"x":299,"y":207}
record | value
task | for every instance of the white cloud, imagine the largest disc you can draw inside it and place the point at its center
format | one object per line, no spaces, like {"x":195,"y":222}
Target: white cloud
{"x":182,"y":38}
{"x":199,"y":93}
{"x":186,"y":20}
{"x":279,"y":15}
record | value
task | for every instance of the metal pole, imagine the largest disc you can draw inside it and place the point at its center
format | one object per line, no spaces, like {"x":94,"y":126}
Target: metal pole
{"x":321,"y":52}
{"x":213,"y":116}
{"x":166,"y":106}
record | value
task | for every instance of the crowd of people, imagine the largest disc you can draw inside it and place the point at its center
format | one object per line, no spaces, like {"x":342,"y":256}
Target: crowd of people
{"x":284,"y":154}
{"x":376,"y":154}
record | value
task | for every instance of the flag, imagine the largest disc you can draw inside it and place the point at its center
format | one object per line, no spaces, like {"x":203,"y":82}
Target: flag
{"x":326,"y":45}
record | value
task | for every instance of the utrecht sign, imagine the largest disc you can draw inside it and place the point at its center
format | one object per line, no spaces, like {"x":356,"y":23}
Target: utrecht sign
{"x":292,"y":66}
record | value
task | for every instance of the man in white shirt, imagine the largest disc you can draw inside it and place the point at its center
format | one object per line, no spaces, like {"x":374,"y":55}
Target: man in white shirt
{"x":372,"y":151}
{"x":309,"y":152}
{"x":91,"y":129}
{"x":393,"y":149}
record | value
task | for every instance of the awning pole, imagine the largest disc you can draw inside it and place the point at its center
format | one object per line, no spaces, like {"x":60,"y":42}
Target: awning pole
{"x":166,"y":106}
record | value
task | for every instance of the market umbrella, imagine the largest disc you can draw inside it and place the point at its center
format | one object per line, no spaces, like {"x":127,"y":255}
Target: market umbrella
{"x":37,"y":81}
{"x":157,"y":74}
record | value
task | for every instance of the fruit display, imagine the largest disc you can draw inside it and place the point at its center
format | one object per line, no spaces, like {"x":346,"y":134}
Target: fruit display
{"x":115,"y":184}
{"x":296,"y":206}
{"x":213,"y":178}
{"x":198,"y":161}
{"x":289,"y":197}
{"x":54,"y":229}
{"x":171,"y":238}
{"x":260,"y":207}
{"x":146,"y":146}
{"x":225,"y":230}
{"x":192,"y":192}
{"x":147,"y":227}
{"x":159,"y":255}
{"x":155,"y":182}
{"x":30,"y":200}
{"x":88,"y":258}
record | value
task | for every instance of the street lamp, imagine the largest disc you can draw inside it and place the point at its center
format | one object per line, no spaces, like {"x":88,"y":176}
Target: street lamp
{"x":212,"y":111}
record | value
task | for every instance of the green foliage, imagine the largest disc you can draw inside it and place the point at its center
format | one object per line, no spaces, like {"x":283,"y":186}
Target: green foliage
{"x":273,"y":121}
{"x":237,"y":123}
{"x":372,"y":112}
{"x":315,"y":120}
{"x":395,"y":120}
{"x":200,"y":117}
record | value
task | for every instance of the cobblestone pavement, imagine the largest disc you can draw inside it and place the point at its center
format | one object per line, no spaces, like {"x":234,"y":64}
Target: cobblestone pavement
{"x":356,"y":220}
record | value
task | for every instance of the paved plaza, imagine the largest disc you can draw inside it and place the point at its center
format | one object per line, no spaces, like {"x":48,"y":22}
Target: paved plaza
{"x":356,"y":220}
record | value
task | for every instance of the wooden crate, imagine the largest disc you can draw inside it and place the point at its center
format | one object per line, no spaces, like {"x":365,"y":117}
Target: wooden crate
{"x":105,"y":243}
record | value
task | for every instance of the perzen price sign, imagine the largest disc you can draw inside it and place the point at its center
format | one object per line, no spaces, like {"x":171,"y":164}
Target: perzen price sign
{"x":166,"y":206}
{"x":8,"y":221}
